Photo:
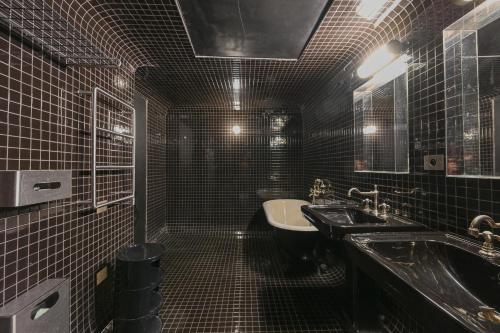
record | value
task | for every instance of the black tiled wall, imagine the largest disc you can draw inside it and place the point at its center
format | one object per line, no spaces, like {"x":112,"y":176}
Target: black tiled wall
{"x":217,"y":180}
{"x":156,"y":155}
{"x":445,"y":203}
{"x":45,"y":125}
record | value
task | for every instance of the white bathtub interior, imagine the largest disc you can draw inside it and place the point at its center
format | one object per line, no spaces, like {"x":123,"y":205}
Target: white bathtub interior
{"x":286,"y":214}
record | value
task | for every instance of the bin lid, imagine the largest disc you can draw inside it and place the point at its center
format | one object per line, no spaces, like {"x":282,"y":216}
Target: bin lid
{"x":141,"y":252}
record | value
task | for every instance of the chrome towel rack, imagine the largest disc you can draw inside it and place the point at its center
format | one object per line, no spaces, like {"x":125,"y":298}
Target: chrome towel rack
{"x":95,"y":168}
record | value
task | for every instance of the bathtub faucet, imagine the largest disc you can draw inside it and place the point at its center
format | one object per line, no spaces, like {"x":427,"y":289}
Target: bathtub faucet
{"x":322,"y":188}
{"x":373,"y":194}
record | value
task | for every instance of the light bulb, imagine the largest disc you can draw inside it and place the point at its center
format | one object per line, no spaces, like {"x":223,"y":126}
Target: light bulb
{"x":236,"y":130}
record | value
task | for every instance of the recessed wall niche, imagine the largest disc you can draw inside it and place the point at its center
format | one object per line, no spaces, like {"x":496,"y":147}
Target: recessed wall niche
{"x":472,"y":79}
{"x":381,"y":121}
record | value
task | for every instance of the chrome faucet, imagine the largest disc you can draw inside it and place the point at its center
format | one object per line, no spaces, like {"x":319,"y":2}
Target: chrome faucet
{"x":489,"y":314}
{"x":365,"y":204}
{"x":322,"y":188}
{"x":487,"y":248}
{"x":373,"y":194}
{"x":384,"y":210}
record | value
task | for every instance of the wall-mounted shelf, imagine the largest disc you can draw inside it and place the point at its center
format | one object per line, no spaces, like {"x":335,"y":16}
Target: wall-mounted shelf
{"x":35,"y":23}
{"x":118,"y":113}
{"x":30,"y":187}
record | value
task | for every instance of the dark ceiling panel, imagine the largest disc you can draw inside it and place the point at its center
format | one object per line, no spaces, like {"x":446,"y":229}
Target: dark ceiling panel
{"x":278,"y":29}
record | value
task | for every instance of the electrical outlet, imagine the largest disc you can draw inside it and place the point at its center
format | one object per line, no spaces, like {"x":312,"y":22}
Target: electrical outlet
{"x":434,"y":162}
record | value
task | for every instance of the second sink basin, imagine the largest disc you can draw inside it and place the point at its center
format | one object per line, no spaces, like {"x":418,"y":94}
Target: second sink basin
{"x":436,"y":271}
{"x":337,"y":221}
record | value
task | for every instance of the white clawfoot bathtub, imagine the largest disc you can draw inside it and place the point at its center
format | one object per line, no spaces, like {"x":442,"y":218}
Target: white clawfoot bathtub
{"x":286,"y":214}
{"x":296,"y":237}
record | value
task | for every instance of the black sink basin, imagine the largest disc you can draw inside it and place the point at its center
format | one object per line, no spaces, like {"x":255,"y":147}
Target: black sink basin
{"x":346,"y":216}
{"x":444,"y":272}
{"x":338,"y":220}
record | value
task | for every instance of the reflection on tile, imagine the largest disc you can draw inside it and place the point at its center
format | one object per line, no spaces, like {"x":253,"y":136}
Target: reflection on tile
{"x":239,"y":283}
{"x":215,"y":178}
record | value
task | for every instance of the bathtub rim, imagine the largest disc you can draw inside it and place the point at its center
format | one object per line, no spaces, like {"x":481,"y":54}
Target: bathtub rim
{"x":276,"y":224}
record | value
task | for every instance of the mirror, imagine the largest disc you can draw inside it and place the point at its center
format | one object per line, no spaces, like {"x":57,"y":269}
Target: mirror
{"x":472,"y":82}
{"x":381,"y":121}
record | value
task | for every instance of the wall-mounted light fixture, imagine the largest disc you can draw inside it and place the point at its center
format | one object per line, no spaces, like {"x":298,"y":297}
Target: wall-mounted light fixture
{"x":236,"y":130}
{"x":380,"y":59}
{"x":391,"y":71}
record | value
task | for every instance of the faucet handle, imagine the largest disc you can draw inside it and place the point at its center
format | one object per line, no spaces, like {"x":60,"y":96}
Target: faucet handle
{"x":495,"y":237}
{"x":489,"y":314}
{"x":487,"y":248}
{"x":384,"y":209}
{"x":366,"y":203}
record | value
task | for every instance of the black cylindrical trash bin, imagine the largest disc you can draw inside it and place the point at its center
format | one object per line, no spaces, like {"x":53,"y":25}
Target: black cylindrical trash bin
{"x":138,"y":266}
{"x":138,"y":303}
{"x":137,"y":297}
{"x":148,"y":324}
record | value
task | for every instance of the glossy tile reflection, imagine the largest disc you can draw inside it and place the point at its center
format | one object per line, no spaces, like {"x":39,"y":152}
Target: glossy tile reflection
{"x":238,"y":283}
{"x":222,"y":164}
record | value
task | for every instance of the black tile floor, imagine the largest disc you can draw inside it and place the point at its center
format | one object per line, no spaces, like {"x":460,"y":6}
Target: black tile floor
{"x":239,"y":283}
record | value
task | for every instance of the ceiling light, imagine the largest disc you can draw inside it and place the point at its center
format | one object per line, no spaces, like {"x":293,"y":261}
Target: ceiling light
{"x":236,"y":130}
{"x":379,"y":59}
{"x":370,"y":8}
